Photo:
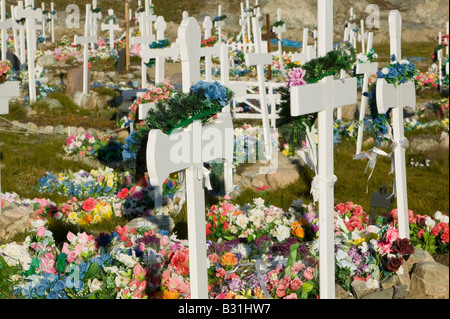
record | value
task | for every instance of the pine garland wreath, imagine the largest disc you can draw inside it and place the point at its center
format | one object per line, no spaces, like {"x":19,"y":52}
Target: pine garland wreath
{"x":293,"y":129}
{"x":203,"y":102}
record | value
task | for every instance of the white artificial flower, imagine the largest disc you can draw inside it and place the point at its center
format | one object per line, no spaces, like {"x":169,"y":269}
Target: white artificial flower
{"x":385,"y":71}
{"x":258,"y":201}
{"x":283,"y":232}
{"x":438,"y":215}
{"x":243,"y":249}
{"x":241,"y":221}
{"x":430,"y":222}
{"x":372,"y":283}
{"x":406,"y":62}
{"x":94,"y":285}
{"x":38,"y":223}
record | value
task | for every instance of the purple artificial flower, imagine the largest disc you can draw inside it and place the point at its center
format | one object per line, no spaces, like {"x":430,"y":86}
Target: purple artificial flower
{"x":295,"y":77}
{"x":235,"y":284}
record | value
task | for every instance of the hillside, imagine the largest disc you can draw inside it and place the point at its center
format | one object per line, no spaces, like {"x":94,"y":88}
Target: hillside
{"x":422,"y":20}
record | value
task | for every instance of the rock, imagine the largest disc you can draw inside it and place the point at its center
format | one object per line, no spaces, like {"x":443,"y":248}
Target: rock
{"x":70,"y":130}
{"x":429,"y":280}
{"x":160,"y":222}
{"x":419,"y":256}
{"x":444,"y":140}
{"x":54,"y":104}
{"x":48,"y":129}
{"x":282,"y":177}
{"x":259,"y":181}
{"x":400,"y":292}
{"x":59,"y":129}
{"x":15,"y":219}
{"x":80,"y":130}
{"x":31,"y":126}
{"x":350,"y":112}
{"x":122,"y":135}
{"x":341,"y":293}
{"x":424,"y":144}
{"x":380,"y":294}
{"x":86,"y":101}
{"x":46,"y":61}
{"x":360,"y":289}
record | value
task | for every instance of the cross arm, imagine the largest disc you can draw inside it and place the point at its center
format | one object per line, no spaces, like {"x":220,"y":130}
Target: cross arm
{"x":389,"y":96}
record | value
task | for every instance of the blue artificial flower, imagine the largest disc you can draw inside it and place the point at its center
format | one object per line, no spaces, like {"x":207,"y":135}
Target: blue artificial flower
{"x":393,"y":73}
{"x":400,"y":68}
{"x":393,"y":58}
{"x":41,"y":289}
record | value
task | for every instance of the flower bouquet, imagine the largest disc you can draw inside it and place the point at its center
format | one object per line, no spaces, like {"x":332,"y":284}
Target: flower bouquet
{"x":398,"y":72}
{"x":5,"y":68}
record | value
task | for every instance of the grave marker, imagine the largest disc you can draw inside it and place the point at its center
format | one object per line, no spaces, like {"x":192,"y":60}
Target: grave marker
{"x":53,"y":16}
{"x":267,"y":37}
{"x":31,"y":16}
{"x":323,"y":98}
{"x":279,"y":31}
{"x":20,"y":42}
{"x":260,"y":60}
{"x":367,"y":69}
{"x":94,"y":16}
{"x":163,"y":158}
{"x":396,"y":98}
{"x":111,"y":27}
{"x":86,"y":40}
{"x":8,"y":90}
{"x":308,"y":51}
{"x":362,"y":38}
{"x":207,"y":26}
{"x":219,"y":25}
{"x":4,"y":26}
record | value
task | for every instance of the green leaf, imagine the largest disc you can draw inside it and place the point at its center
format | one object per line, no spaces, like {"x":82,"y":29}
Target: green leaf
{"x":292,"y":259}
{"x":61,"y":262}
{"x":307,"y":286}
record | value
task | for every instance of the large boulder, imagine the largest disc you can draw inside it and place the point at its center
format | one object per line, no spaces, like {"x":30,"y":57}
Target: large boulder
{"x":429,"y":280}
{"x":15,"y":219}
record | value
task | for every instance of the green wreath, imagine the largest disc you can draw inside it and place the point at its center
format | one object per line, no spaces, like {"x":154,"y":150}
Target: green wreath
{"x":204,"y":100}
{"x":293,"y":129}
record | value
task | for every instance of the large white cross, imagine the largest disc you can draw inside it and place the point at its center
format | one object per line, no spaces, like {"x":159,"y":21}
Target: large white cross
{"x":4,"y":25}
{"x":323,"y":98}
{"x":31,"y":17}
{"x":188,"y":150}
{"x":396,"y":98}
{"x":86,"y":40}
{"x":366,"y":69}
{"x":261,"y":59}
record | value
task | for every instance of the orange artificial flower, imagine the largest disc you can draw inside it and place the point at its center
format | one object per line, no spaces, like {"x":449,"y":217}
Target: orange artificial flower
{"x":300,"y":232}
{"x":170,"y":294}
{"x":229,"y":259}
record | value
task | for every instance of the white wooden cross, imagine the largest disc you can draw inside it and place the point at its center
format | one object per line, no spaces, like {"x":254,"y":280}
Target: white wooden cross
{"x":86,"y":40}
{"x":111,"y":27}
{"x":44,"y":21}
{"x":19,"y":38}
{"x":159,"y":54}
{"x":351,"y":27}
{"x":440,"y":59}
{"x":261,"y":59}
{"x":323,"y":98}
{"x":279,"y":30}
{"x":53,"y":16}
{"x":188,"y":150}
{"x":219,"y":25}
{"x":93,"y":17}
{"x":8,"y":89}
{"x":4,"y":25}
{"x":362,"y":38}
{"x":366,"y":69}
{"x":207,"y":26}
{"x":308,"y":51}
{"x":31,"y":17}
{"x":243,"y":24}
{"x":396,"y":98}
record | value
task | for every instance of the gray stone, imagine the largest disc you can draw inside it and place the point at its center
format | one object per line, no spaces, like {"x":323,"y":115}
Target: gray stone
{"x":31,"y":126}
{"x":160,"y":222}
{"x":54,"y":104}
{"x":429,"y":280}
{"x":46,"y":60}
{"x":59,"y":129}
{"x":282,"y":177}
{"x":259,"y":181}
{"x":380,"y":294}
{"x":86,"y":101}
{"x":444,"y":141}
{"x":360,"y":289}
{"x":48,"y":129}
{"x":424,"y":144}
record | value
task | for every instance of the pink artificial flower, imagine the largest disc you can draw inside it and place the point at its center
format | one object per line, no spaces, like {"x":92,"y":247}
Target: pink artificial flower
{"x":296,"y":283}
{"x":89,"y":204}
{"x":292,"y":295}
{"x":295,"y":78}
{"x":41,"y":231}
{"x":391,"y":235}
{"x":164,"y":241}
{"x":308,"y":273}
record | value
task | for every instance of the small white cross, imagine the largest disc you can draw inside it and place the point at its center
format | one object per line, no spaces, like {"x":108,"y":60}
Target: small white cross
{"x":362,"y":38}
{"x":31,"y":17}
{"x":86,"y":40}
{"x":111,"y":27}
{"x":4,"y":26}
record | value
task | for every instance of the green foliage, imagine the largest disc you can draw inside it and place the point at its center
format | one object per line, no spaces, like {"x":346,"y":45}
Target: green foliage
{"x":6,"y":284}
